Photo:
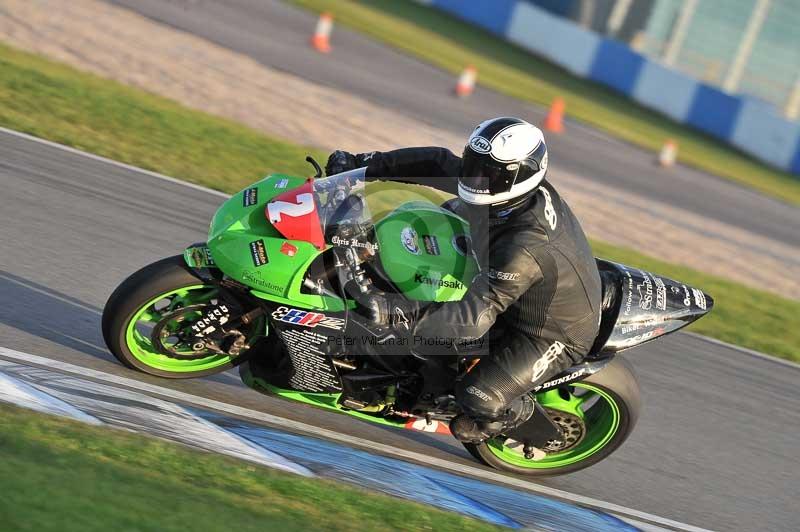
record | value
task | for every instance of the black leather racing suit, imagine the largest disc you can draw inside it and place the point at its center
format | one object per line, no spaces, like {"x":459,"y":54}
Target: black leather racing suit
{"x":538,"y":289}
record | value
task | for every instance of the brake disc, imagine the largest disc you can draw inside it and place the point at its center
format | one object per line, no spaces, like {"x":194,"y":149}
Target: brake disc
{"x":572,"y":427}
{"x":181,"y":321}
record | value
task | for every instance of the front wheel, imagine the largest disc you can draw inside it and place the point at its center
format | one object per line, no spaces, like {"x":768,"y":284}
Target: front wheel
{"x":596,"y":416}
{"x":147,"y":318}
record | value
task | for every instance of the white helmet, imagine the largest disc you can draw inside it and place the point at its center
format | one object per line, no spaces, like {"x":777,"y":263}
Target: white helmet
{"x":504,"y":162}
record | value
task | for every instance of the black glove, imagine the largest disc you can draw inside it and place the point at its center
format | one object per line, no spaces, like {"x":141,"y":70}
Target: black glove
{"x":388,"y":310}
{"x":340,"y":161}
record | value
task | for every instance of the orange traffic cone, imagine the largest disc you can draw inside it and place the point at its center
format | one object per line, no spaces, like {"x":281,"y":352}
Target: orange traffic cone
{"x":321,"y":40}
{"x":466,"y":82}
{"x":668,"y":154}
{"x":554,"y":121}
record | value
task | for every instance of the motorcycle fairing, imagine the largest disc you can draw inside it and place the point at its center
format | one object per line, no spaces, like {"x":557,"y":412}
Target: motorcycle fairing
{"x":332,"y":401}
{"x":648,"y":306}
{"x":245,"y":245}
{"x":294,"y":214}
{"x":198,"y":256}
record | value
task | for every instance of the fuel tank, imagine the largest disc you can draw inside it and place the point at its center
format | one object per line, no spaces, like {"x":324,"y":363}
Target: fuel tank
{"x":426,"y":252}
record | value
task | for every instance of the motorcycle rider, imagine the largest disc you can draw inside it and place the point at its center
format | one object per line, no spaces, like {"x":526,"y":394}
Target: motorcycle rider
{"x":538,"y":286}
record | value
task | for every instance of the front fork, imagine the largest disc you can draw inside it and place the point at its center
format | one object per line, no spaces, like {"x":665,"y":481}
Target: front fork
{"x":198,"y":258}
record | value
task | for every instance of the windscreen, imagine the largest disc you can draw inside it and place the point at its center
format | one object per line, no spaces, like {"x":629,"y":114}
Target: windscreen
{"x":346,"y":220}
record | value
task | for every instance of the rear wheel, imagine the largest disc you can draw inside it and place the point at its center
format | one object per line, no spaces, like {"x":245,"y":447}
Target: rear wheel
{"x":147,"y":320}
{"x":595,"y":415}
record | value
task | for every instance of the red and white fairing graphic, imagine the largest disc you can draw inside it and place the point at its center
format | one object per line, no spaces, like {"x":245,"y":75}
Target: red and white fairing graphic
{"x":294,"y":214}
{"x":420,"y":424}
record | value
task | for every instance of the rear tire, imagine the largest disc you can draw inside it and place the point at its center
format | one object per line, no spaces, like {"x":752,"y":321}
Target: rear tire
{"x":616,"y":382}
{"x":131,"y":298}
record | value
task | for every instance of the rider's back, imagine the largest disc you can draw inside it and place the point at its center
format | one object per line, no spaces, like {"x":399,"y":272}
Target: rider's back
{"x":564,"y":303}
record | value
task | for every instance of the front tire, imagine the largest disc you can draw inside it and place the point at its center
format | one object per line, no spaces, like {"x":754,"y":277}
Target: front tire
{"x":137,"y":305}
{"x":606,"y":404}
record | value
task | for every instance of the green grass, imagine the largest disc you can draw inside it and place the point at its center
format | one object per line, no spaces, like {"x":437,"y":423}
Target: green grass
{"x":60,"y":475}
{"x":56,"y":102}
{"x":104,"y":117}
{"x":450,"y":44}
{"x":741,"y":315}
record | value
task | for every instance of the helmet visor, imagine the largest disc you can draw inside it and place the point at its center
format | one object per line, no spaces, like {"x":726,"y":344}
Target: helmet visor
{"x":480,"y":174}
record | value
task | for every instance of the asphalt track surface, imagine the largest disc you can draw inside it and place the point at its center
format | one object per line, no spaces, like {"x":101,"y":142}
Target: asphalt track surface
{"x":276,"y":35}
{"x":715,"y":446}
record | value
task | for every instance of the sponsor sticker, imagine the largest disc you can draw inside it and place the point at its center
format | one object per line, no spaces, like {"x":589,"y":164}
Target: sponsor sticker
{"x":567,"y":378}
{"x":288,"y":249}
{"x":549,"y":210}
{"x":480,"y":144}
{"x":551,"y":355}
{"x":409,"y":239}
{"x":254,"y":278}
{"x":477,"y":392}
{"x":307,"y":319}
{"x":629,"y":296}
{"x":438,"y":282}
{"x":687,"y":298}
{"x":259,"y":253}
{"x":661,"y":294}
{"x":250,"y":197}
{"x":647,"y":335}
{"x":502,"y":276}
{"x":205,"y":325}
{"x":699,"y":298}
{"x":431,"y":244}
{"x":199,"y":256}
{"x":645,"y":289}
{"x":353,"y":243}
{"x":282,"y":183}
{"x":629,"y":328}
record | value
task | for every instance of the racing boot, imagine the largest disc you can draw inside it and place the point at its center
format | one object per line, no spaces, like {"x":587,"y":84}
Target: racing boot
{"x":472,"y":430}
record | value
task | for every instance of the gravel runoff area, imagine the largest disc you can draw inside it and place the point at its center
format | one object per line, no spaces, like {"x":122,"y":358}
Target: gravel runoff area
{"x":117,"y":44}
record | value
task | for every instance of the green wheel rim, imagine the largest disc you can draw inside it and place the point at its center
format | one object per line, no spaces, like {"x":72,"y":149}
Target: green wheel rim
{"x":601,"y":419}
{"x":140,"y":344}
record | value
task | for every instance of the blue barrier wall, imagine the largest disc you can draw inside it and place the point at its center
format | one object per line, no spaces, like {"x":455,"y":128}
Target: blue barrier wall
{"x":616,"y":65}
{"x":535,"y":29}
{"x":750,"y":125}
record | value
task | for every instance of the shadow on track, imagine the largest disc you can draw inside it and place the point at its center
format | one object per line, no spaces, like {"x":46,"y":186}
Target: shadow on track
{"x":50,"y":314}
{"x":44,"y":312}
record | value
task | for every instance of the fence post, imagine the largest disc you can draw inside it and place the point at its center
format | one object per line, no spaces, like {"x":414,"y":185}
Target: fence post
{"x":617,"y":17}
{"x":731,"y":82}
{"x":792,"y":109}
{"x":679,"y":32}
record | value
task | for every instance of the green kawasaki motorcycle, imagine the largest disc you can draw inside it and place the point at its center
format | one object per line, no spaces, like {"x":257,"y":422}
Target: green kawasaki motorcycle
{"x":272,"y":292}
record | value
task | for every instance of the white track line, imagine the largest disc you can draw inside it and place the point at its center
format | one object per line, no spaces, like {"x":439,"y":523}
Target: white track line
{"x":51,"y":295}
{"x":21,"y":393}
{"x":757,"y":354}
{"x":156,"y":175}
{"x":297,"y":426}
{"x":112,"y":162}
